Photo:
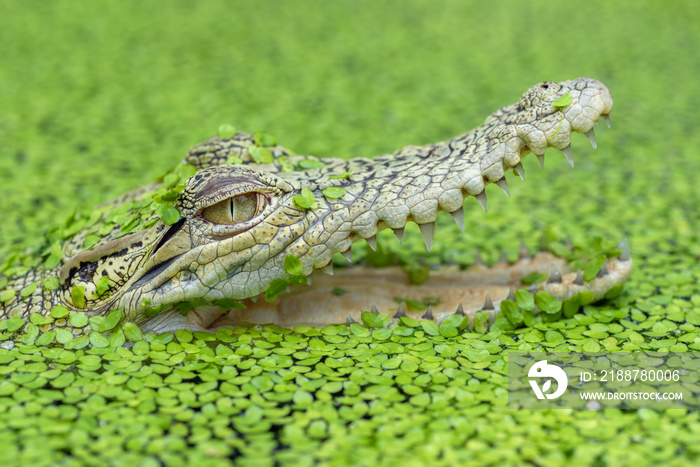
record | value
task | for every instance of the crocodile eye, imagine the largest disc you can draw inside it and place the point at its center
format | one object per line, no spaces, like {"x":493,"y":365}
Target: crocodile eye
{"x":235,"y":210}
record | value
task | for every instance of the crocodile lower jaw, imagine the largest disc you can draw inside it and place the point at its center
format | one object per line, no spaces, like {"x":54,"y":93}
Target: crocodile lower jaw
{"x":366,"y":288}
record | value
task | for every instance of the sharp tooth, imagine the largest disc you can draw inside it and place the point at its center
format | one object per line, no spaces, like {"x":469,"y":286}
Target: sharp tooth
{"x":460,"y":310}
{"x":428,"y":313}
{"x":569,"y":244}
{"x":349,"y":320}
{"x":523,"y":252}
{"x":520,"y":170}
{"x":488,"y":304}
{"x":540,"y":159}
{"x":590,"y":134}
{"x":503,"y":185}
{"x":328,"y":269}
{"x":625,"y":247}
{"x":481,"y":197}
{"x":511,"y":295}
{"x":477,"y":259}
{"x":603,"y":270}
{"x":372,"y":242}
{"x":399,"y":234}
{"x":458,"y":216}
{"x":554,"y":276}
{"x":503,"y":258}
{"x":569,"y":155}
{"x":400,"y":312}
{"x":428,"y":232}
{"x":607,"y":119}
{"x":533,"y":289}
{"x":579,"y":278}
{"x":348,"y":254}
{"x":254,"y":299}
{"x":374,"y":310}
{"x":309,"y":280}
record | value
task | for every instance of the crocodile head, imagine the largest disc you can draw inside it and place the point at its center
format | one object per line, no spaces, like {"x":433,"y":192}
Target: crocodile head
{"x":239,"y":223}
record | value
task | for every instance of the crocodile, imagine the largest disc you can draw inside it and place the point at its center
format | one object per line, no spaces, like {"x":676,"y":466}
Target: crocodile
{"x":241,"y":215}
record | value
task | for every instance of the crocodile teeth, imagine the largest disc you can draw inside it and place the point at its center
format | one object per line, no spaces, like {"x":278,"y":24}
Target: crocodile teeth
{"x":477,"y":259}
{"x":349,"y":320}
{"x":603,"y":270}
{"x":399,"y":234}
{"x":607,"y":119}
{"x":554,"y":276}
{"x":254,"y":299}
{"x":533,"y":289}
{"x":569,"y":154}
{"x":428,"y":313}
{"x":460,"y":310}
{"x":374,"y":310}
{"x":520,"y":170}
{"x":590,"y":134}
{"x":503,"y":258}
{"x":511,"y":295}
{"x":625,"y":247}
{"x":372,"y":242}
{"x":523,"y":252}
{"x":348,"y":254}
{"x":400,"y":311}
{"x":481,"y":197}
{"x":488,"y":304}
{"x":309,"y":280}
{"x":579,"y":278}
{"x":328,"y":269}
{"x":540,"y":159}
{"x":503,"y":185}
{"x":428,"y":232}
{"x":569,"y":244}
{"x":458,"y":216}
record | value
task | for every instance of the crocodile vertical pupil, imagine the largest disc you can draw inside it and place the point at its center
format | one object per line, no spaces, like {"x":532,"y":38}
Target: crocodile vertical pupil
{"x":233,"y":210}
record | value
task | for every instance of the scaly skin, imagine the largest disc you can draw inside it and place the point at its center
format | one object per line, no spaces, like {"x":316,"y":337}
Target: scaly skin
{"x":229,"y":246}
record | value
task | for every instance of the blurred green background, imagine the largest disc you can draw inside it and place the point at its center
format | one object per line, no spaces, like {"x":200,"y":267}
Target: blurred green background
{"x":97,"y":98}
{"x":100,"y":97}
